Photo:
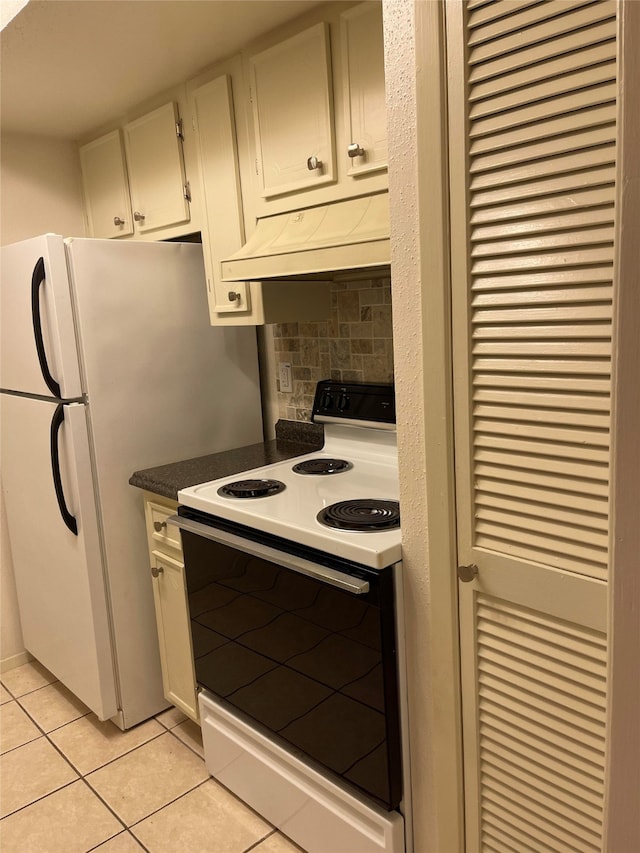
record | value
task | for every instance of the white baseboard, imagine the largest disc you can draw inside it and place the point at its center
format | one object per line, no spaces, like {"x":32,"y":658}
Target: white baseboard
{"x":15,"y":660}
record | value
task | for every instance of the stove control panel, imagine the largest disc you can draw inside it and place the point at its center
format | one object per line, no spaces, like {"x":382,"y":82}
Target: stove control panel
{"x":355,"y":401}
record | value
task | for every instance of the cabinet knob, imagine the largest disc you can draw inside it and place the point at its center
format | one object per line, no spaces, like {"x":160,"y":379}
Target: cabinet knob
{"x":118,"y":221}
{"x":354,"y":150}
{"x":159,"y":525}
{"x":467,"y":573}
{"x":139,"y":217}
{"x":313,"y":163}
{"x":156,"y":570}
{"x":234,"y":296}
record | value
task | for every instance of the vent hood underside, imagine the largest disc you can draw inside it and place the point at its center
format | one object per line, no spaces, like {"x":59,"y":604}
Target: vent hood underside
{"x":344,"y":235}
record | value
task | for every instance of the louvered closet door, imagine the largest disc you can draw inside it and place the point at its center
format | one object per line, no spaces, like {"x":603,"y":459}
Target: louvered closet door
{"x":533,"y":147}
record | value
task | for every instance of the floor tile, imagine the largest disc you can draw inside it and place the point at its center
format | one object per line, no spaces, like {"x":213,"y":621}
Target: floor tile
{"x":171,"y":718}
{"x":207,"y":819}
{"x":15,"y":727}
{"x":89,"y":744}
{"x":5,"y":696}
{"x":123,"y":843}
{"x":30,"y":772}
{"x":148,"y":778}
{"x":53,"y":706}
{"x":277,"y":843}
{"x":72,"y":820}
{"x":191,"y":734}
{"x":23,"y":679}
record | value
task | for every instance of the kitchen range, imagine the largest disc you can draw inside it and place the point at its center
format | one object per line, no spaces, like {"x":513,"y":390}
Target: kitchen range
{"x":292,"y":573}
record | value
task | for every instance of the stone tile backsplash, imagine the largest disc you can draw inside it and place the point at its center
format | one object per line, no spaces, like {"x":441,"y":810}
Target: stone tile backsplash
{"x":355,"y":344}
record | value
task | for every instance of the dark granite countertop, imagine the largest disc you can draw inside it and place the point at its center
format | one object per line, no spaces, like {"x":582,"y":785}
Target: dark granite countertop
{"x":292,"y":439}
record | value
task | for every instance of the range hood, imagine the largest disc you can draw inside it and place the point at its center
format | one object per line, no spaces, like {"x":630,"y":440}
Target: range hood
{"x":343,"y":235}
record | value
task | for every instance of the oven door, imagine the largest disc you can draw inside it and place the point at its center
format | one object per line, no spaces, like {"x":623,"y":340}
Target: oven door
{"x":302,"y":644}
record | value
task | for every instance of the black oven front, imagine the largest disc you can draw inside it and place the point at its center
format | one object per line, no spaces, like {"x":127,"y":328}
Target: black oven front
{"x":301,"y":644}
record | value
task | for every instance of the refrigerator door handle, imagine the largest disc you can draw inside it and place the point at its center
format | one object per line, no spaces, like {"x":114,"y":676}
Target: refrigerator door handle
{"x":56,"y":423}
{"x":37,"y":279}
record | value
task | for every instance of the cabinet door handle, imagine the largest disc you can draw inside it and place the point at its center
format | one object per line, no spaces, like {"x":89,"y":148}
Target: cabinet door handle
{"x":139,"y":217}
{"x":159,"y":525}
{"x":156,"y":570}
{"x":234,"y":296}
{"x":117,"y":220}
{"x":313,"y":163}
{"x":354,"y":150}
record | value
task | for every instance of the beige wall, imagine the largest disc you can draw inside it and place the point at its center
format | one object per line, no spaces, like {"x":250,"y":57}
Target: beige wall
{"x":40,"y":188}
{"x":40,"y":191}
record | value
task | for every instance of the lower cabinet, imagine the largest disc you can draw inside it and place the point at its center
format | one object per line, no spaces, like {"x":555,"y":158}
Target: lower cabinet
{"x":172,"y":611}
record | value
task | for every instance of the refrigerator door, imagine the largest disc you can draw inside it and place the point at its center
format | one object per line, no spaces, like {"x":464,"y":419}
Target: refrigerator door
{"x":162,"y":385}
{"x":38,"y":343}
{"x":59,"y":573}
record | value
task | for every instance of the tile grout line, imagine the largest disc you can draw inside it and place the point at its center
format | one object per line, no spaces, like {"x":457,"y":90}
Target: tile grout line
{"x":126,"y":828}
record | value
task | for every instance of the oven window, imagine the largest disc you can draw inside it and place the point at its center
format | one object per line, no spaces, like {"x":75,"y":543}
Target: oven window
{"x":312,"y":664}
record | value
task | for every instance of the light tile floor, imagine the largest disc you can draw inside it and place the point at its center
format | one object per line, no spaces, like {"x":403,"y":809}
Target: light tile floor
{"x":71,"y":784}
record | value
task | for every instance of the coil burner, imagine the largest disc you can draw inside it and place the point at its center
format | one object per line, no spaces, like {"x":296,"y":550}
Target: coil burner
{"x":367,"y":515}
{"x":251,"y":488}
{"x":322,"y":466}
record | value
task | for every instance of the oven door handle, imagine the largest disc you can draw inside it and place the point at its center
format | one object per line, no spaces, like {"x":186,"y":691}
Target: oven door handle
{"x":303,"y":567}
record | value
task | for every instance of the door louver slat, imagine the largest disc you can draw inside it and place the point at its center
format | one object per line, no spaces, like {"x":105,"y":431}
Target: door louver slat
{"x":525,"y":720}
{"x":540,"y":90}
{"x":513,"y":19}
{"x":510,"y":54}
{"x":585,"y":200}
{"x":528,"y":154}
{"x":568,"y":62}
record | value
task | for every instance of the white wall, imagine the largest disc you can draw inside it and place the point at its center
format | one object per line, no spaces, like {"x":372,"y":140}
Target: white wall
{"x":40,"y":191}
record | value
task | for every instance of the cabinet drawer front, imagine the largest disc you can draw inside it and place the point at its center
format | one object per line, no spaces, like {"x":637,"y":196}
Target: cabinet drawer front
{"x":293,"y":113}
{"x":162,"y":535}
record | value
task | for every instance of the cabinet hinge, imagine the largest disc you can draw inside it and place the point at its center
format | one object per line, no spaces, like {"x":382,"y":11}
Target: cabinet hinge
{"x":180,"y":129}
{"x":187,"y":191}
{"x":257,"y":170}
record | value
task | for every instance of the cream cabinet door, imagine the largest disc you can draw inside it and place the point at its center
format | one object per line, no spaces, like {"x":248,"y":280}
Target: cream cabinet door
{"x":106,"y":189}
{"x":223,"y":232}
{"x":533,"y":168}
{"x":291,"y":91}
{"x":172,"y":615}
{"x":156,"y":170}
{"x":364,"y":93}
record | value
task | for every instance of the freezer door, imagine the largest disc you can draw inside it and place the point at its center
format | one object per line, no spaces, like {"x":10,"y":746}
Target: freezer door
{"x":59,"y":573}
{"x":38,"y":342}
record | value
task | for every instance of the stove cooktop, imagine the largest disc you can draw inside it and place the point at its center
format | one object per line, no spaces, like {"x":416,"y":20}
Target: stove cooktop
{"x":293,"y":512}
{"x":323,"y":499}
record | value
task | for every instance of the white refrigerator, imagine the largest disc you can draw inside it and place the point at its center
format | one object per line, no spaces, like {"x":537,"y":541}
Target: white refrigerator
{"x":108,"y":365}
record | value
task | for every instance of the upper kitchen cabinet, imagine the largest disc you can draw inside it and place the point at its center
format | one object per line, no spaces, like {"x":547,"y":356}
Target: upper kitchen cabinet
{"x":291,"y":95}
{"x":317,"y":111}
{"x":221,"y":146}
{"x":363,"y":89}
{"x":105,"y":185}
{"x":219,"y":177}
{"x":143,"y":190}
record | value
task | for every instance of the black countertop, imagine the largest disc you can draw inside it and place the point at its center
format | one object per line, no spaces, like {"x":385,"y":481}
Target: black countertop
{"x":292,"y":439}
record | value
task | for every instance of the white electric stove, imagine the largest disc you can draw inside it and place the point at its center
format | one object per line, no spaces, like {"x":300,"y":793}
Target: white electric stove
{"x":342,"y":499}
{"x":292,"y":574}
